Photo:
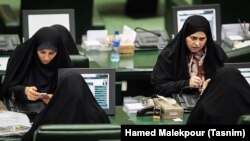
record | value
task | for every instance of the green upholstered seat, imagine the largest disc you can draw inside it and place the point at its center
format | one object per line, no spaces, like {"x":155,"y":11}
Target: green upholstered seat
{"x":80,"y":61}
{"x":239,"y":55}
{"x":77,"y":132}
{"x":244,"y":119}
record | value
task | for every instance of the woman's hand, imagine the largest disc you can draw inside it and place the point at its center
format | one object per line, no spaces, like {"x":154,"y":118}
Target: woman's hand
{"x":46,"y":98}
{"x":31,"y":93}
{"x":205,"y":85}
{"x":195,"y":81}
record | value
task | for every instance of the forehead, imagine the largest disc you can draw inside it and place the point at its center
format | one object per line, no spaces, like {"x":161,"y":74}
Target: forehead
{"x":46,"y":50}
{"x":198,"y":34}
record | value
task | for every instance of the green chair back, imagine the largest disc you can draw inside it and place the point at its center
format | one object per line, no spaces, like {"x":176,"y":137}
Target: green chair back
{"x":78,"y":132}
{"x":244,"y":119}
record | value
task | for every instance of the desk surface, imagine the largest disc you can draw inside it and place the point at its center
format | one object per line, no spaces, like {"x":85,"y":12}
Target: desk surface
{"x":145,"y":60}
{"x":122,"y":118}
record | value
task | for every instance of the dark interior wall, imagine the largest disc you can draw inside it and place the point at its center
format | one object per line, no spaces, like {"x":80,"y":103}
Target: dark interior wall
{"x":83,"y":12}
{"x":141,"y":8}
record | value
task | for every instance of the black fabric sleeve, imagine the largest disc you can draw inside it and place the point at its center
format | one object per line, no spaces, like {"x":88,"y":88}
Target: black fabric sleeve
{"x":168,"y":88}
{"x":18,"y":92}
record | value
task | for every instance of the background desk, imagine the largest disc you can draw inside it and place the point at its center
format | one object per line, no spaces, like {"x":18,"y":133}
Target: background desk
{"x":135,"y":69}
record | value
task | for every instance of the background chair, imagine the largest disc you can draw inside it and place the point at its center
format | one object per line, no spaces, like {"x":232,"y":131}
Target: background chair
{"x":78,"y":132}
{"x":244,"y":119}
{"x":79,"y":61}
{"x":83,"y":12}
{"x":228,"y":12}
{"x":168,"y":15}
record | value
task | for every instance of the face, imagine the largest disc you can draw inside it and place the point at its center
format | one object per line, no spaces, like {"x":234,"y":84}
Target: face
{"x":195,"y":42}
{"x":46,"y":55}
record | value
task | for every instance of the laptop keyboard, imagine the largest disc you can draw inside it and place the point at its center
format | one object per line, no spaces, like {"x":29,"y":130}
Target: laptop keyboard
{"x":190,"y":100}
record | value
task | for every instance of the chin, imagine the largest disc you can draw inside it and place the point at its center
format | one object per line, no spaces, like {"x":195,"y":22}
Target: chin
{"x":45,"y":63}
{"x":195,"y":50}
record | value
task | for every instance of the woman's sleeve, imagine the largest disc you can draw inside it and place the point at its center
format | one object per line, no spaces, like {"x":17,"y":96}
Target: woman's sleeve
{"x":18,"y":92}
{"x":163,"y":80}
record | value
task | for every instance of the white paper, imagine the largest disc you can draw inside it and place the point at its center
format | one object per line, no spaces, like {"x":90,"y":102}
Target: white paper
{"x":234,"y":29}
{"x":3,"y":63}
{"x":97,"y":35}
{"x":235,"y":37}
{"x":13,"y":123}
{"x":128,"y":34}
{"x":132,"y":107}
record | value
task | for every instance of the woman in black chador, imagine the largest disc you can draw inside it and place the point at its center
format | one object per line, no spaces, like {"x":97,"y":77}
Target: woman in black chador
{"x":225,"y":99}
{"x":190,"y":59}
{"x":72,"y":103}
{"x":32,"y":68}
{"x":68,"y":41}
{"x":32,"y":79}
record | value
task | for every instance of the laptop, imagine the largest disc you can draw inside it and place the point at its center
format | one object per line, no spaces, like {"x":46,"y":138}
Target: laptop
{"x":101,"y":82}
{"x":31,"y":109}
{"x":189,"y":99}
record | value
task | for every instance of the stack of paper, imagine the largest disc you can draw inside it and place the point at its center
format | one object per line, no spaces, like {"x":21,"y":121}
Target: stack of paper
{"x":132,"y":107}
{"x":13,"y":123}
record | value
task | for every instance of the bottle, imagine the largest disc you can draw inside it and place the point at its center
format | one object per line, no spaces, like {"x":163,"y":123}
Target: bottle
{"x":115,"y":56}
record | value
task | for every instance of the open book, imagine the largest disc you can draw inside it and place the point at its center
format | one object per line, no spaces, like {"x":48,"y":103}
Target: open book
{"x":13,"y":123}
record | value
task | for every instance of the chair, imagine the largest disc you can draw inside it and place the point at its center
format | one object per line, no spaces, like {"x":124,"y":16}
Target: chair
{"x":239,"y":55}
{"x":228,"y":14}
{"x":79,"y":61}
{"x":78,"y":132}
{"x":168,"y":17}
{"x":244,"y":119}
{"x":83,"y":12}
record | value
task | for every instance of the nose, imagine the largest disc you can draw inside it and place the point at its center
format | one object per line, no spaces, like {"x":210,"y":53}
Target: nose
{"x":46,"y":57}
{"x":197,"y":42}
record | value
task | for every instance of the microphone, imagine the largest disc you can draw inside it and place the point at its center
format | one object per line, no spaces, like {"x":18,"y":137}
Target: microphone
{"x":245,"y":31}
{"x":157,"y":34}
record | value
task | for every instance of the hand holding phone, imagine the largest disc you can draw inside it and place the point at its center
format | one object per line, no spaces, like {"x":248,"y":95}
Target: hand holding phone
{"x":44,"y":95}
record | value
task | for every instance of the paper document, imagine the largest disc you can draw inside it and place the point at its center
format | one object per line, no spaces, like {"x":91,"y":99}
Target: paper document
{"x":3,"y":63}
{"x":132,"y":107}
{"x":13,"y":123}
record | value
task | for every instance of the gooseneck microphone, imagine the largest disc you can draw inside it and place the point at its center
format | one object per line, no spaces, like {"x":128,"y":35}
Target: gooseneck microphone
{"x":244,"y":30}
{"x":157,"y":34}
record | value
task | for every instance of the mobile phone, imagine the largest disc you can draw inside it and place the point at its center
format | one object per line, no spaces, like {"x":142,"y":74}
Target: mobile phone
{"x":45,"y":95}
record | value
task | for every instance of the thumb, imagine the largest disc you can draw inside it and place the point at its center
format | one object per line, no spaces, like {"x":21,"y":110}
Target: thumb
{"x":34,"y":88}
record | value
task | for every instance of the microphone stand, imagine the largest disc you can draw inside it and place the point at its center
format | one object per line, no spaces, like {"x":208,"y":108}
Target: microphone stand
{"x":160,"y":44}
{"x":157,"y":34}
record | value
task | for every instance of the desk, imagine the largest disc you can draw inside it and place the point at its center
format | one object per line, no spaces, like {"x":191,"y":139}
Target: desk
{"x":122,"y":118}
{"x":135,"y":69}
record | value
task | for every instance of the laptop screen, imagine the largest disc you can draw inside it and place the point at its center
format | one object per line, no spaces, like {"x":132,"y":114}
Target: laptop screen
{"x":244,"y":68}
{"x":101,"y":83}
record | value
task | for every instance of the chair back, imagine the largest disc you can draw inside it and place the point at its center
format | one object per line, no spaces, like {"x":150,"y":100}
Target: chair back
{"x":244,"y":119}
{"x":78,"y":132}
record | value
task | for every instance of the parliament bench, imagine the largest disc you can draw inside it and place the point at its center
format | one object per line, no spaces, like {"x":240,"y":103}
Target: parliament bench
{"x":244,"y":119}
{"x":77,"y":132}
{"x":79,"y":61}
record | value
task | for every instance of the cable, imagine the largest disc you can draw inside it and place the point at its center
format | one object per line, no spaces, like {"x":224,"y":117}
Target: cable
{"x":157,"y":34}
